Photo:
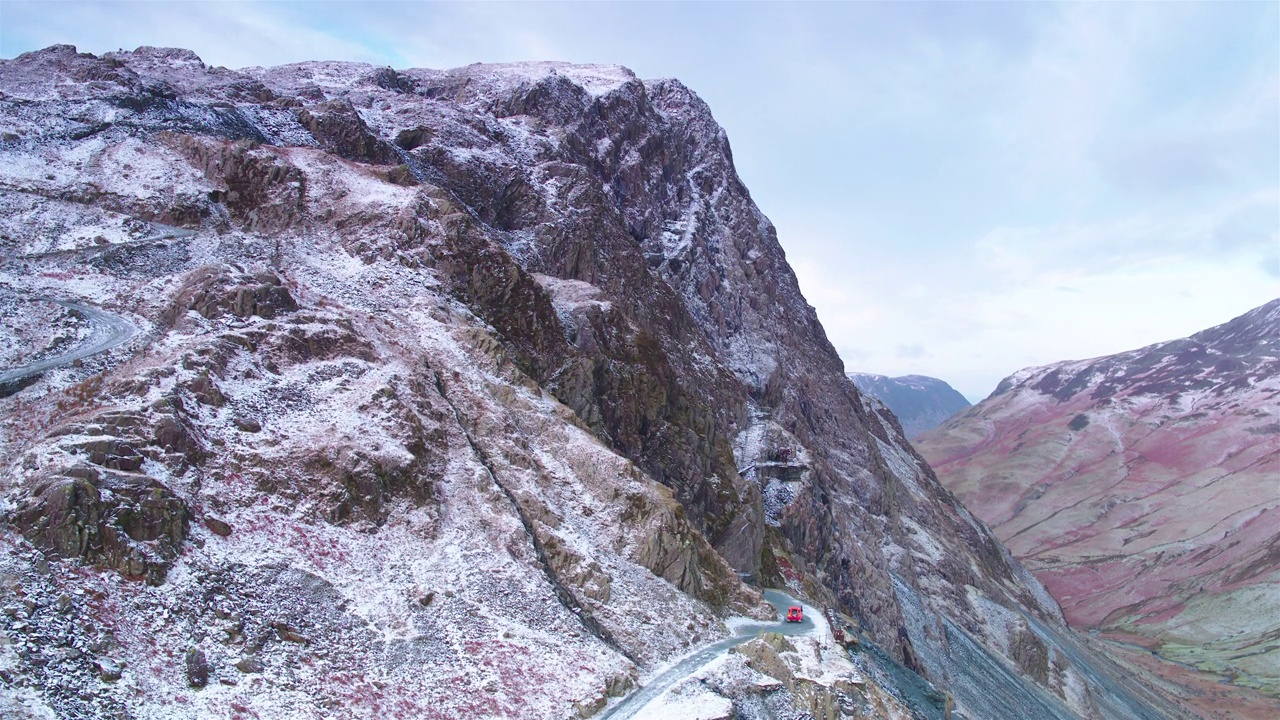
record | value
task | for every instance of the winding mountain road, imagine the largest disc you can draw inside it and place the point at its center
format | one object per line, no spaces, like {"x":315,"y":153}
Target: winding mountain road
{"x":636,"y":701}
{"x":159,"y":233}
{"x":105,"y":332}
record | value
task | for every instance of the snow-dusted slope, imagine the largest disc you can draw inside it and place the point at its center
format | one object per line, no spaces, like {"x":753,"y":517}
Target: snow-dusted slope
{"x":1144,"y":489}
{"x":921,"y":403}
{"x":469,"y":393}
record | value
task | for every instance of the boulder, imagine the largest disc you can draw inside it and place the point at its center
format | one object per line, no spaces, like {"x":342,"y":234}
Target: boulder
{"x":197,"y":666}
{"x":109,"y":670}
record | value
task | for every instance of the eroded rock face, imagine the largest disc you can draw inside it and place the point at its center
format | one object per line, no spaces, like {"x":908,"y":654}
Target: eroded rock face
{"x":625,"y":378}
{"x":259,"y":191}
{"x":341,"y":131}
{"x":662,"y":230}
{"x":511,"y":338}
{"x":127,"y":522}
{"x":263,"y":296}
{"x":97,"y":501}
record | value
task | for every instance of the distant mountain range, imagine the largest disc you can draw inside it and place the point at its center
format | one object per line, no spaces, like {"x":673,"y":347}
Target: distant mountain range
{"x":920,"y":402}
{"x":1144,"y":490}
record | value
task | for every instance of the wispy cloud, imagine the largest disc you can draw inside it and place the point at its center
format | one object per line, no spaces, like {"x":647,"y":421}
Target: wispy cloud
{"x":963,"y":188}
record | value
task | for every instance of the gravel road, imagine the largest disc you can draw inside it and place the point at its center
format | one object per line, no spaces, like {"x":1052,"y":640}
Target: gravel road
{"x":105,"y":332}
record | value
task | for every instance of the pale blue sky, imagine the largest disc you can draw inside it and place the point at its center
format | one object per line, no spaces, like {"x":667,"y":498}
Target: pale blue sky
{"x":964,"y":189}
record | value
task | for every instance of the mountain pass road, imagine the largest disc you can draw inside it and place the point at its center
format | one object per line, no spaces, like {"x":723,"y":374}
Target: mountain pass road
{"x":637,"y":700}
{"x":105,"y":332}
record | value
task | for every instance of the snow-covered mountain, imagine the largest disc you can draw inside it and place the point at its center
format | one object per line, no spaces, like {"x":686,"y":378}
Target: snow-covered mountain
{"x":921,"y":403}
{"x":1144,"y":489}
{"x":440,"y":394}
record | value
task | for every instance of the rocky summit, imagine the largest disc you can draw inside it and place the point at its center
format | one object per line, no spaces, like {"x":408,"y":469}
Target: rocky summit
{"x":921,"y":403}
{"x":1144,"y":489}
{"x":337,"y":390}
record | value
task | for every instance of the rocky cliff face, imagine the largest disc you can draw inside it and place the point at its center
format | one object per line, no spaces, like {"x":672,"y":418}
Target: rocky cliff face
{"x":1143,"y":489}
{"x":435,"y":372}
{"x":921,"y":403}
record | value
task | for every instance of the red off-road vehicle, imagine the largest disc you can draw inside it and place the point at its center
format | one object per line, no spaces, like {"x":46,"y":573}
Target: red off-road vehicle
{"x":795,"y":614}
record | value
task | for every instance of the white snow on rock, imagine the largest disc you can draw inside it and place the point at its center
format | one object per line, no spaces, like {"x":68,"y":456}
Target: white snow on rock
{"x":373,"y":508}
{"x":595,"y":79}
